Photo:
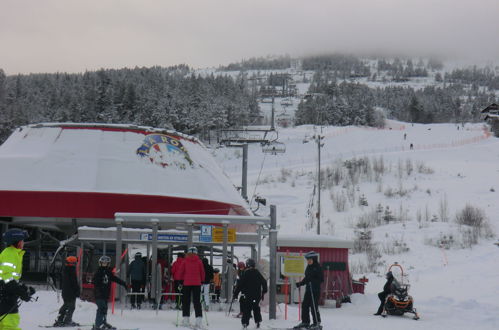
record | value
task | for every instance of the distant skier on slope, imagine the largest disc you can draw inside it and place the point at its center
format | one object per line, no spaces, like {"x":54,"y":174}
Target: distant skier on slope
{"x":253,"y":287}
{"x":313,"y":279}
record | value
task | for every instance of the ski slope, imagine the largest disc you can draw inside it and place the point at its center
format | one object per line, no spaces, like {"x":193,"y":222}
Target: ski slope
{"x":453,"y":289}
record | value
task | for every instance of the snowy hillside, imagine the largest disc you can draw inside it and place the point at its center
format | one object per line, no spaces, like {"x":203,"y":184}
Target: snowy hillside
{"x":454,"y":288}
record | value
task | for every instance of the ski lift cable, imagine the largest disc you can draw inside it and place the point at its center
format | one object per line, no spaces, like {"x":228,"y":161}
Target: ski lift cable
{"x":258,"y":179}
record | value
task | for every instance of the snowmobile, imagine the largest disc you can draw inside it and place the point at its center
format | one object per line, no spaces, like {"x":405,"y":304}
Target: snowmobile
{"x":399,"y":301}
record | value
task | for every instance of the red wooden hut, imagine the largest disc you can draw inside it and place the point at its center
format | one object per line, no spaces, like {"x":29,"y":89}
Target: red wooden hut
{"x":333,"y":257}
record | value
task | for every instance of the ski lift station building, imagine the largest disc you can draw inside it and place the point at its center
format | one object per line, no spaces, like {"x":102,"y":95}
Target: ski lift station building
{"x":61,"y":175}
{"x":333,"y":258}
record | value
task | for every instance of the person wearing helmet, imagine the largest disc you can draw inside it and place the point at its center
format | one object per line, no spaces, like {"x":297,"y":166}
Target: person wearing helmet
{"x":70,"y":291}
{"x":217,"y":284}
{"x":253,"y":287}
{"x":177,"y":281}
{"x":312,"y":280}
{"x":387,"y":289}
{"x":137,"y":274}
{"x":11,"y":263}
{"x":102,"y":286}
{"x":192,"y":273}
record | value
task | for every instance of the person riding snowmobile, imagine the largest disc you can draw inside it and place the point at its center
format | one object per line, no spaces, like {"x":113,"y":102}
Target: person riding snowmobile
{"x":387,"y":289}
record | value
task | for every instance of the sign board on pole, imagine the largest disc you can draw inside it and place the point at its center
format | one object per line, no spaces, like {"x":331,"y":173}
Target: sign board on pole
{"x":205,"y":235}
{"x":293,"y":266}
{"x":165,"y":237}
{"x":218,"y":235}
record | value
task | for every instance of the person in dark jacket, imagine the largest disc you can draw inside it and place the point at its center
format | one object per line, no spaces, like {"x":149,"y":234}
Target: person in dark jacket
{"x":102,"y":285}
{"x":137,"y":274}
{"x":253,"y":287}
{"x":70,"y":291}
{"x":177,"y":281}
{"x":387,"y":289}
{"x":313,"y":279}
{"x":192,"y":273}
{"x":208,"y":277}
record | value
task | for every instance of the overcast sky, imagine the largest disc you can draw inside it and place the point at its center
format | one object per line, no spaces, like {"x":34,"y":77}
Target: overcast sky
{"x":79,"y":35}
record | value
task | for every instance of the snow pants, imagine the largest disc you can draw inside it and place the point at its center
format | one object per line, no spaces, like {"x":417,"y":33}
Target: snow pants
{"x":382,"y":297}
{"x":101,"y":316}
{"x":67,"y":310}
{"x":195,"y":292}
{"x":249,"y":305}
{"x":10,"y":322}
{"x":136,"y":300}
{"x":310,"y":305}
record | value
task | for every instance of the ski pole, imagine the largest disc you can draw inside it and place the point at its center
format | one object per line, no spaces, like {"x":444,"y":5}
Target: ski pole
{"x":230,"y":307}
{"x":313,"y":303}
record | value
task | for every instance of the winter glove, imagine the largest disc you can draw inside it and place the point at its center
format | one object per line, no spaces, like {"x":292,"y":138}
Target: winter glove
{"x":298,"y":284}
{"x":24,"y":292}
{"x":31,"y":291}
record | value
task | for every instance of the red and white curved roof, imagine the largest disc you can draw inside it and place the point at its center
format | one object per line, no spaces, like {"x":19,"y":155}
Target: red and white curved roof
{"x":91,"y":171}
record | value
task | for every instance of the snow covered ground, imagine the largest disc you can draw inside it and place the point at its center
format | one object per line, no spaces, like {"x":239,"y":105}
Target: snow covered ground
{"x":454,"y":288}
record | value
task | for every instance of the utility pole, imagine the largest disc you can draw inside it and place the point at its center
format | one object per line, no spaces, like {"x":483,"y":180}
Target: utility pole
{"x":318,"y":139}
{"x":272,"y":127}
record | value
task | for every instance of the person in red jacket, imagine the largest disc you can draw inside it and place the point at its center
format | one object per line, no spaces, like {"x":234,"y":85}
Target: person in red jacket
{"x":177,"y":280}
{"x":192,"y":273}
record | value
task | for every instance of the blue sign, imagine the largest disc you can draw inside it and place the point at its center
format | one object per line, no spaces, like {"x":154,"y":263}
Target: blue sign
{"x":165,"y":237}
{"x":205,"y":235}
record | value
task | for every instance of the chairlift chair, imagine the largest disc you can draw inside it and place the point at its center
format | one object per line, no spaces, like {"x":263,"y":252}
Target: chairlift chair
{"x":274,"y":148}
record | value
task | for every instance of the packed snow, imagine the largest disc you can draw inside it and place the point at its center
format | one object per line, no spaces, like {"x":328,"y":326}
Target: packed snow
{"x":455,"y":288}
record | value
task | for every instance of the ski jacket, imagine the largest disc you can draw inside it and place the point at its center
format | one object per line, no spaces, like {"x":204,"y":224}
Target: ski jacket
{"x":137,"y":270}
{"x":102,"y":282}
{"x":208,"y":272}
{"x":176,"y":267}
{"x":217,"y":280}
{"x":11,"y":267}
{"x":314,"y":276}
{"x":70,"y":287}
{"x":251,"y":284}
{"x":387,"y":288}
{"x":192,"y":270}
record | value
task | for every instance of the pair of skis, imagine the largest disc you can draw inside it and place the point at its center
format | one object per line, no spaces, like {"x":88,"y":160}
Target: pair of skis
{"x":83,"y":327}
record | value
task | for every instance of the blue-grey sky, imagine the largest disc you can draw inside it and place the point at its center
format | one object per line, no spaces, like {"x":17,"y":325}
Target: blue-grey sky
{"x":79,"y":35}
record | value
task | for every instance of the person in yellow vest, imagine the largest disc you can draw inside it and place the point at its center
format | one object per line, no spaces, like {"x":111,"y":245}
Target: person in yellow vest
{"x":11,"y":262}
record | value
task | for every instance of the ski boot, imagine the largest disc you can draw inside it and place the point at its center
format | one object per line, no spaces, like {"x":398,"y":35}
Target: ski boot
{"x":58,"y":324}
{"x":71,"y":324}
{"x":185,"y":321}
{"x":258,"y":325}
{"x":302,"y":325}
{"x":315,"y":326}
{"x":108,"y":326}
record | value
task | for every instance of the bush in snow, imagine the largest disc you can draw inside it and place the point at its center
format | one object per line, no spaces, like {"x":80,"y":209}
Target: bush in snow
{"x":476,"y":221}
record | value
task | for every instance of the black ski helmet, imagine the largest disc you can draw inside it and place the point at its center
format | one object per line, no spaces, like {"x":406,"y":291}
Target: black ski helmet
{"x":14,"y":235}
{"x":250,"y":263}
{"x":389,"y":275}
{"x":311,"y":255}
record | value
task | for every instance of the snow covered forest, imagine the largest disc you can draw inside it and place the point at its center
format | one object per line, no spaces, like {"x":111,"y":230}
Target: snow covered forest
{"x":344,"y":90}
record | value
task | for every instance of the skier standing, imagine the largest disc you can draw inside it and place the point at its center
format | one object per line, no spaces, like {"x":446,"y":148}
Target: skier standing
{"x":253,"y":287}
{"x":208,"y":277}
{"x":387,"y":289}
{"x":313,"y":279}
{"x":217,"y":284}
{"x":137,"y":273}
{"x":192,"y":273}
{"x":70,"y":291}
{"x":102,"y":285}
{"x":177,"y":280}
{"x":11,"y":268}
{"x":240,"y":270}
